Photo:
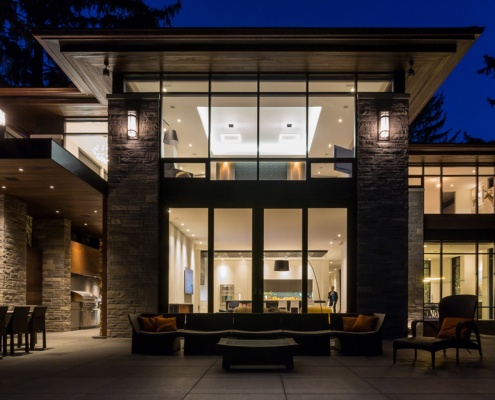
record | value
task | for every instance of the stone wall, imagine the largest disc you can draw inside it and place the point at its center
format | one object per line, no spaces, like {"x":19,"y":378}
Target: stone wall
{"x":132,"y":212}
{"x":416,"y":257}
{"x":52,"y":236}
{"x":382,"y":212}
{"x":13,"y":213}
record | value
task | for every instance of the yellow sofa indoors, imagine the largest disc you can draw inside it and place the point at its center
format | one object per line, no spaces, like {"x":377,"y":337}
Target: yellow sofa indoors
{"x":317,"y":309}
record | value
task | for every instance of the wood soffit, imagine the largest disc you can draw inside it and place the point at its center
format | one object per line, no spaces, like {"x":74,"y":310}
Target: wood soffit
{"x":435,"y":51}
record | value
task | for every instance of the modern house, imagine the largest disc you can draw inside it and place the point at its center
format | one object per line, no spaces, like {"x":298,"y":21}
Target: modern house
{"x":201,"y":163}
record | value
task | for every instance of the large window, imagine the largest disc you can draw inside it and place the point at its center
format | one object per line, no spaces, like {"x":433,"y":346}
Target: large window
{"x":271,"y":127}
{"x":464,"y":189}
{"x":460,"y":268}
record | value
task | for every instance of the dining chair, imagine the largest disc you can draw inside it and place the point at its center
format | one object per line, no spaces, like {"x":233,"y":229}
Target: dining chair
{"x":3,"y":329}
{"x":18,"y":325}
{"x":37,"y":325}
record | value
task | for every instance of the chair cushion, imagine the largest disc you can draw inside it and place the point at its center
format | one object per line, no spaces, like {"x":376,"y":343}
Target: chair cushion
{"x":449,"y":325}
{"x":166,"y":324}
{"x":348,"y":323}
{"x":364,"y":323}
{"x":148,"y":324}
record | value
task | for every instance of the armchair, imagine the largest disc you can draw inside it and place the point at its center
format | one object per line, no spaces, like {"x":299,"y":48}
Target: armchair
{"x":455,"y":329}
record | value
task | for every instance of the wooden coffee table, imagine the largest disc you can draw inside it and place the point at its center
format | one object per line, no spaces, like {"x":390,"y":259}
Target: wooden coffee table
{"x":249,"y":353}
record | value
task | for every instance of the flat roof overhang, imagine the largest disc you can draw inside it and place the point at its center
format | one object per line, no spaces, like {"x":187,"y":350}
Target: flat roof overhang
{"x":451,"y":153}
{"x":78,"y":193}
{"x":435,"y":51}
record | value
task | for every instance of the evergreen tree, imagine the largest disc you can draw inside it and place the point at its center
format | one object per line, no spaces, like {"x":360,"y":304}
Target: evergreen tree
{"x":488,"y":70}
{"x":428,"y":125}
{"x":23,"y":61}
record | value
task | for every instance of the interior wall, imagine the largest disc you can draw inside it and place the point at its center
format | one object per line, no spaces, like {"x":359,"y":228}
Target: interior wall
{"x":182,"y":254}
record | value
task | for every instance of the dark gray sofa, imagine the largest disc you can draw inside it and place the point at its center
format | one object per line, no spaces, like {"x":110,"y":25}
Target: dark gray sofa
{"x":201,"y":333}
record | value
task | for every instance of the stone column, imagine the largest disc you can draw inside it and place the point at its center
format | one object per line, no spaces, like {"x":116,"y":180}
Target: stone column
{"x":52,"y":236}
{"x":416,"y":253}
{"x":13,"y":213}
{"x":132,"y":211}
{"x":382,"y":208}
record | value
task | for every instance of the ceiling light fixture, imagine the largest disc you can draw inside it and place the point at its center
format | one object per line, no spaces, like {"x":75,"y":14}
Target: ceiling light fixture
{"x":170,"y":135}
{"x":281,"y":265}
{"x":410,"y":71}
{"x":106,"y":72}
{"x":100,"y":152}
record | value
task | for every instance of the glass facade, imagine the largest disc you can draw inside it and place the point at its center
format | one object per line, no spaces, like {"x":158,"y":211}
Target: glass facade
{"x":459,"y":268}
{"x":464,"y":189}
{"x":293,"y":127}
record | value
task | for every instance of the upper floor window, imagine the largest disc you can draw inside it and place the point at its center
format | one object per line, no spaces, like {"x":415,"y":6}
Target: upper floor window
{"x":460,"y":189}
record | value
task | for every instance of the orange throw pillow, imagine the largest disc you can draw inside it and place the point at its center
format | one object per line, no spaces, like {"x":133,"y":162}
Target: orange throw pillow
{"x":166,"y":324}
{"x":364,"y":323}
{"x":148,"y":324}
{"x":348,"y":323}
{"x":447,"y":329}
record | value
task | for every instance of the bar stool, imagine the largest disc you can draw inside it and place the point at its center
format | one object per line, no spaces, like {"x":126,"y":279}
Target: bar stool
{"x":37,"y":324}
{"x":18,"y":325}
{"x":3,"y":329}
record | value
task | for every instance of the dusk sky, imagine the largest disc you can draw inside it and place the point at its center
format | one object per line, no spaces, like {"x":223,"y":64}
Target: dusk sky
{"x":465,"y":91}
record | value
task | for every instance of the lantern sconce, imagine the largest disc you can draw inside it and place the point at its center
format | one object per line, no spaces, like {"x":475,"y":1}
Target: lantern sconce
{"x":3,"y":122}
{"x":132,"y":124}
{"x":384,"y":126}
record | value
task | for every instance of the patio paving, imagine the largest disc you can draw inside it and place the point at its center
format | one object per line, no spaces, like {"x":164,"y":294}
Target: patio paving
{"x":78,"y":366}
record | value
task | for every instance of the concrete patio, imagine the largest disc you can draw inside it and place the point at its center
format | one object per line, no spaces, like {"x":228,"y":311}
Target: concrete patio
{"x":77,"y":366}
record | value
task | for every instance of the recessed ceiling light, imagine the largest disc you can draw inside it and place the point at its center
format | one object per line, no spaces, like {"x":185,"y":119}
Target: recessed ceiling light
{"x":329,"y":146}
{"x":288,"y":137}
{"x":95,"y":211}
{"x":4,"y":187}
{"x":231,"y":125}
{"x":21,"y":170}
{"x":85,"y":224}
{"x":190,"y":144}
{"x":52,"y":187}
{"x":57,"y":211}
{"x":339,"y":235}
{"x":289,"y":125}
{"x":340,"y":120}
{"x":178,"y":120}
{"x":230,"y":138}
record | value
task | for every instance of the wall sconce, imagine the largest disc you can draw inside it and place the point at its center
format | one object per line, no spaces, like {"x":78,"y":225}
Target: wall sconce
{"x":3,"y":122}
{"x":132,"y":124}
{"x":384,"y":126}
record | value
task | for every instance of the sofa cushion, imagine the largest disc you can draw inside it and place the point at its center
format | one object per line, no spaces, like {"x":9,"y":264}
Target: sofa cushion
{"x":166,"y":324}
{"x":449,"y":325}
{"x":348,"y":323}
{"x":364,"y":323}
{"x":148,"y":324}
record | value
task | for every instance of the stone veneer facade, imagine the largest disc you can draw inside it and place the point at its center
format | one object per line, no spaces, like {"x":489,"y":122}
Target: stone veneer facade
{"x":382,"y":211}
{"x":53,"y":237}
{"x":132,"y":212}
{"x":13,"y":253}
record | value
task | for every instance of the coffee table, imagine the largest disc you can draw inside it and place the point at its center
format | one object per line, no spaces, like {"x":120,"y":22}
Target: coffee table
{"x":246,"y":353}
